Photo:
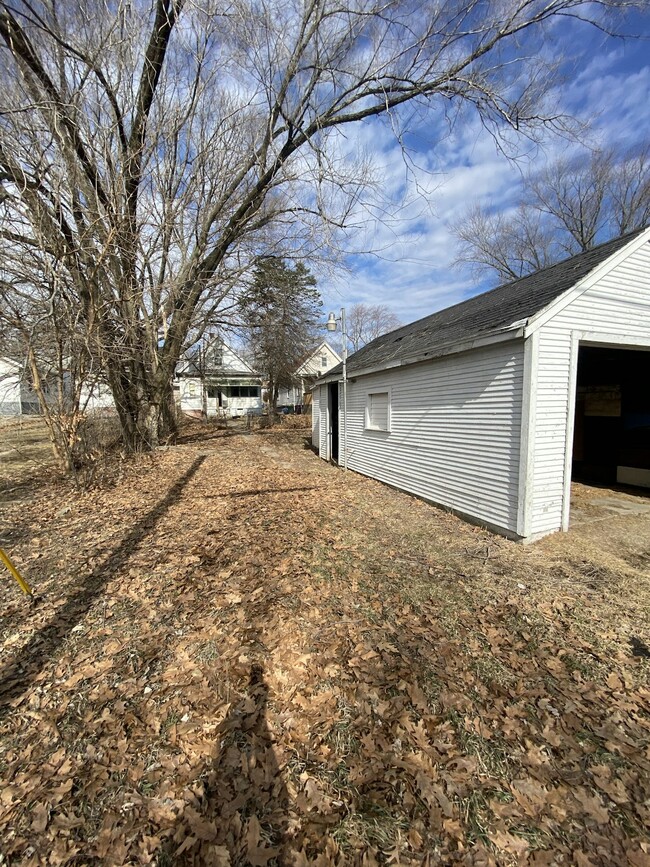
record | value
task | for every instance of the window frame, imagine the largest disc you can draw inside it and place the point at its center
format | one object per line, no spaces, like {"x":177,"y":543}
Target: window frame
{"x":243,"y":392}
{"x":366,"y":421}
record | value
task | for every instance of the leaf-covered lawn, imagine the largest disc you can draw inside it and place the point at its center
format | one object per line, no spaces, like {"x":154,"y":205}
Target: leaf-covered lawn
{"x":242,"y":655}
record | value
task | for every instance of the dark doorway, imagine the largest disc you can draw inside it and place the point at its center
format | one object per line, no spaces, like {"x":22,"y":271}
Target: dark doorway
{"x":611,"y":440}
{"x":333,"y":406}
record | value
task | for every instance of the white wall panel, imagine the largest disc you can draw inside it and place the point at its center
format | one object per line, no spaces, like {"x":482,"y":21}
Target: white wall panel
{"x":455,"y":431}
{"x":324,"y":423}
{"x":617,"y":306}
{"x":315,"y":418}
{"x":10,"y":388}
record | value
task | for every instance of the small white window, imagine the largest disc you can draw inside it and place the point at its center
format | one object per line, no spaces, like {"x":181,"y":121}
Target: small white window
{"x":323,"y":361}
{"x":378,"y":411}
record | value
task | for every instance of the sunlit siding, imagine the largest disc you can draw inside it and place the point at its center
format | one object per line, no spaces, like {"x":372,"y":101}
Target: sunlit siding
{"x":324,"y":421}
{"x":454,"y":431}
{"x":9,"y":388}
{"x":191,"y":392}
{"x":619,"y":304}
{"x":315,"y":418}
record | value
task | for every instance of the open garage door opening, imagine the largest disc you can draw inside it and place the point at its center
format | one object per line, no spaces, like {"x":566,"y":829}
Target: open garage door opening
{"x":333,"y":407}
{"x":611,"y":443}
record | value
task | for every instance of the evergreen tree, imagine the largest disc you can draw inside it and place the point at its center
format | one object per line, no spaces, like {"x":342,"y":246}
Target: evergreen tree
{"x":280,"y":312}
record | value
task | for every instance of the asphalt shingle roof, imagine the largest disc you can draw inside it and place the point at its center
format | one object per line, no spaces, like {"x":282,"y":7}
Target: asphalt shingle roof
{"x":484,"y":314}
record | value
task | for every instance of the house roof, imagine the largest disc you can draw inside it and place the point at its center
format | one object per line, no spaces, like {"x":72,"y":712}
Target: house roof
{"x":318,"y":350}
{"x":483,"y":315}
{"x":191,"y":364}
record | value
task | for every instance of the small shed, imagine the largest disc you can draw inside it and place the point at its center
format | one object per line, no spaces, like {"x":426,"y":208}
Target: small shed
{"x":492,"y":406}
{"x":10,"y":387}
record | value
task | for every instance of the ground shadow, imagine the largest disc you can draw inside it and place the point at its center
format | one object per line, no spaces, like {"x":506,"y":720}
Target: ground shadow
{"x":199,"y":432}
{"x":245,"y":802}
{"x":29,"y":486}
{"x":18,"y":674}
{"x":614,"y":488}
{"x":256,"y":493}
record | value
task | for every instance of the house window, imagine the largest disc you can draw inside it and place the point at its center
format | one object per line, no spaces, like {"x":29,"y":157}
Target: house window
{"x":323,"y":361}
{"x":216,"y":352}
{"x":243,"y":391}
{"x":213,"y":391}
{"x":378,"y":410}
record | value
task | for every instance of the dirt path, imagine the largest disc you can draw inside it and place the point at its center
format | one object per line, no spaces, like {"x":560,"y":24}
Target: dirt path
{"x":245,"y":656}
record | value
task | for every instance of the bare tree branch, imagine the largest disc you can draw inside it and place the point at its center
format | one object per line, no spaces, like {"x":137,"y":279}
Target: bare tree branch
{"x":151,"y":150}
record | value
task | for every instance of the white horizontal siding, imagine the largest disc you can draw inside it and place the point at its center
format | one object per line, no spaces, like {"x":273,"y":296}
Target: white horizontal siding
{"x":9,"y":388}
{"x":315,"y":418}
{"x":191,"y":394}
{"x":618,"y":305}
{"x":323,"y":424}
{"x":455,"y":431}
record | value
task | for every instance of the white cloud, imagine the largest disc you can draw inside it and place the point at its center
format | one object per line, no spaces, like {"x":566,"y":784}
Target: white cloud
{"x":413,"y":270}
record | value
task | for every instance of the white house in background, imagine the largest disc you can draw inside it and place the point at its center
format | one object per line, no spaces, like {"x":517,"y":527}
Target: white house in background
{"x":96,"y":398}
{"x":16,"y":397}
{"x":214,"y":381}
{"x":317,"y":363}
{"x":491,"y":406}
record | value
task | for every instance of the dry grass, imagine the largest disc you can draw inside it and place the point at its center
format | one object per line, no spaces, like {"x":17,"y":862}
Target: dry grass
{"x":25,"y":451}
{"x":242,"y":653}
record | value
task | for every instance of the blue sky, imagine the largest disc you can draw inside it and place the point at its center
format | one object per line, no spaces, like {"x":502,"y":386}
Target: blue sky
{"x":411,"y":270}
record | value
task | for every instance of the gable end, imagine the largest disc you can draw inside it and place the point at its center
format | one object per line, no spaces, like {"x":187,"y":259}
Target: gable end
{"x":600,"y":271}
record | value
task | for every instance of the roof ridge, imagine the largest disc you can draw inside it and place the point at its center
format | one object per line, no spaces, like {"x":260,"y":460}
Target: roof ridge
{"x":510,"y":283}
{"x":486,"y":313}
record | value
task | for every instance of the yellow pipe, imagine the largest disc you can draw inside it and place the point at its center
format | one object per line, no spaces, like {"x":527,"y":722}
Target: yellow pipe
{"x":24,"y":586}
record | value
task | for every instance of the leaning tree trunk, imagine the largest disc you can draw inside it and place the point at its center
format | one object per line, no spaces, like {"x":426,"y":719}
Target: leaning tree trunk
{"x":62,"y":426}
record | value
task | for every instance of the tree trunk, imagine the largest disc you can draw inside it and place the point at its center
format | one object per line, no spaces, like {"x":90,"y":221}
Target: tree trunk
{"x":55,"y":419}
{"x":168,"y":428}
{"x":145,"y":407}
{"x":273,"y":400}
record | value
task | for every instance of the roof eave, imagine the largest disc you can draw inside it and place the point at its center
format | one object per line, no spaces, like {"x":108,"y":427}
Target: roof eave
{"x":581,"y":286}
{"x":511,"y":332}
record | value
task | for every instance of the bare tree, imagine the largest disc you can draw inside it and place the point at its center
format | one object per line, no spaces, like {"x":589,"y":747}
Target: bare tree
{"x":367,"y":321}
{"x":629,"y":189}
{"x":573,"y":194}
{"x":151,"y":149}
{"x":510,"y":245}
{"x":568,"y":207}
{"x":46,"y":336}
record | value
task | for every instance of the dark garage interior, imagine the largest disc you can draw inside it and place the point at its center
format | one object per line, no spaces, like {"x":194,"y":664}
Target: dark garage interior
{"x":333,"y":390}
{"x":611,"y":441}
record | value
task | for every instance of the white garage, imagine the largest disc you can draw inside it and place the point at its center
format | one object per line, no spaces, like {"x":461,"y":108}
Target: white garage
{"x":490,"y":407}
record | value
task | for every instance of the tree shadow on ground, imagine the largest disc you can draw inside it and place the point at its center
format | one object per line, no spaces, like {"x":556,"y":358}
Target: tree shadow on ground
{"x":17,"y":675}
{"x":412,"y":719}
{"x":201,"y":432}
{"x":257,"y":492}
{"x":28,"y":487}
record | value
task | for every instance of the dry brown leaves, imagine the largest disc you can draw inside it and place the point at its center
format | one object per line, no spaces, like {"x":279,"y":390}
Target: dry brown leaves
{"x":242,"y":656}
